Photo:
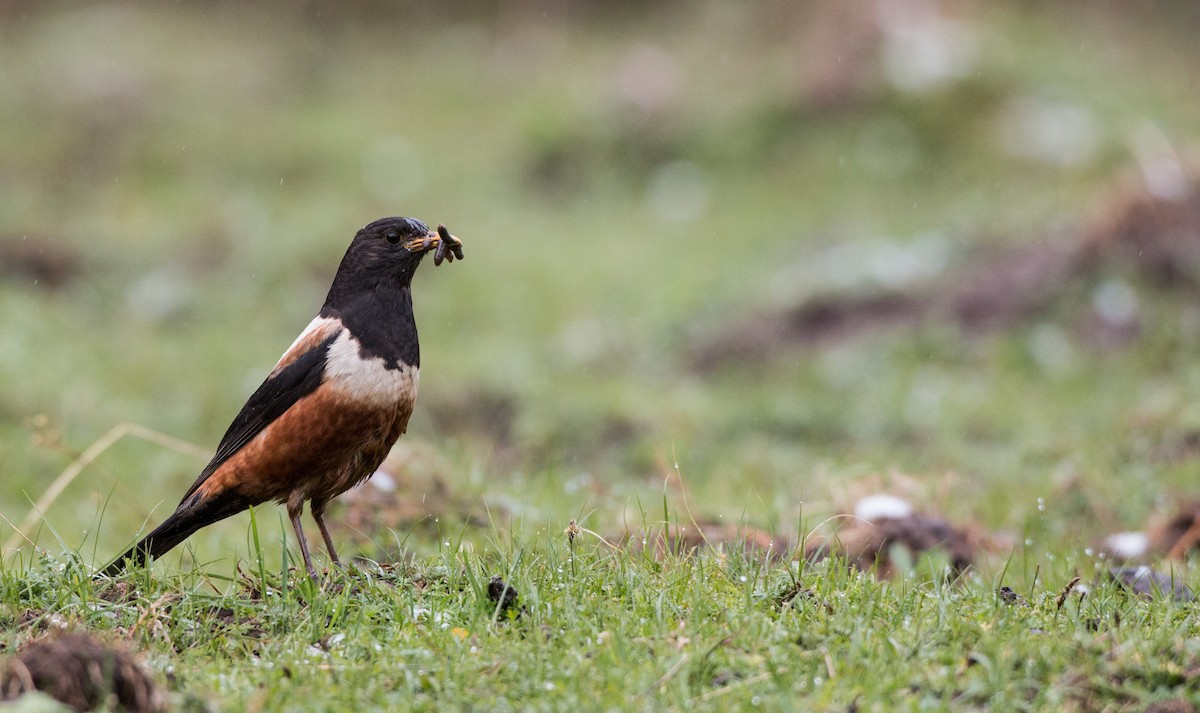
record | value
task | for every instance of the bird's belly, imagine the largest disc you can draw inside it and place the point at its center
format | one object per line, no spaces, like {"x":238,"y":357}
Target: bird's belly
{"x":325,"y":444}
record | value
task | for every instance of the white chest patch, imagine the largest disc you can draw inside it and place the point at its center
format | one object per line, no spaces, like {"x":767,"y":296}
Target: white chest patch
{"x":368,"y":381}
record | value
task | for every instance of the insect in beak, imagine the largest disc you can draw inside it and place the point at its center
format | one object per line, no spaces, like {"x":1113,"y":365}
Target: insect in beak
{"x":449,"y":248}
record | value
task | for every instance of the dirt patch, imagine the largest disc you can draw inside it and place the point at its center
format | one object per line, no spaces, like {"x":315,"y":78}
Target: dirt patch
{"x":822,"y":320}
{"x":1174,"y":535}
{"x":1178,"y":535}
{"x":81,"y":672}
{"x":227,"y":618}
{"x":878,"y":544}
{"x":39,"y":261}
{"x":1154,"y":231}
{"x":1138,"y":231}
{"x":40,"y":620}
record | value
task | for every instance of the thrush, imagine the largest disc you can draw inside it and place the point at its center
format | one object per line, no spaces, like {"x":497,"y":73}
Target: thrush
{"x":333,"y":405}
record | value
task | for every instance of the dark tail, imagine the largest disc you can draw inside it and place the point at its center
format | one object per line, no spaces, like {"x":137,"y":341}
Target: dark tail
{"x":177,"y":528}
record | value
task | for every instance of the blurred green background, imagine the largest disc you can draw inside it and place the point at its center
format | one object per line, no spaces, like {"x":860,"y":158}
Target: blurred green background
{"x":636,"y":184}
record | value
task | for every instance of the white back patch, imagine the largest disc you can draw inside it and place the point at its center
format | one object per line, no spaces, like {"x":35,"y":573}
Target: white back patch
{"x":368,"y":381}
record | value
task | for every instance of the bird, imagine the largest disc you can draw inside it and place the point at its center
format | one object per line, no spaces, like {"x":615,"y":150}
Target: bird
{"x":332,"y":407}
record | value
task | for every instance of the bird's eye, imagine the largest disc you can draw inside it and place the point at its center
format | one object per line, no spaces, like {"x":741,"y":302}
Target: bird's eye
{"x":392,"y":237}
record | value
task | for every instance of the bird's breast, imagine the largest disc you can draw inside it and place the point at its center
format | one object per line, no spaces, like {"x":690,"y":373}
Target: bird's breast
{"x":368,"y":381}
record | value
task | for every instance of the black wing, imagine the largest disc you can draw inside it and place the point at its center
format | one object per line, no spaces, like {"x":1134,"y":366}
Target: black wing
{"x":277,"y":394}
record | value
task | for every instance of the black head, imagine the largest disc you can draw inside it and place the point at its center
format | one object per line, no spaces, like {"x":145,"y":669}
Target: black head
{"x":384,"y":254}
{"x":393,"y":241}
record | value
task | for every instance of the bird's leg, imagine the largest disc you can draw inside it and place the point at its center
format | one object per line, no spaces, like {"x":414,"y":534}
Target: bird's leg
{"x":318,"y":513}
{"x":294,"y":513}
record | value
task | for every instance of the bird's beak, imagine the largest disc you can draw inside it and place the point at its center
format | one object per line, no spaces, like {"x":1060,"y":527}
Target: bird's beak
{"x":445,"y":246}
{"x":426,"y":242}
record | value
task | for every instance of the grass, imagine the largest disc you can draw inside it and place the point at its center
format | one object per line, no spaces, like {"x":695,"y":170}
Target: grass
{"x":206,"y":166}
{"x":597,"y":628}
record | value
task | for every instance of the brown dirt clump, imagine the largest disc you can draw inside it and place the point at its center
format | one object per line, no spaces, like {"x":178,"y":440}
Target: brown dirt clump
{"x":228,"y":618}
{"x":1157,"y":234}
{"x":81,"y":672}
{"x":38,"y":261}
{"x":1178,"y":535}
{"x":868,"y":545}
{"x":504,"y":595}
{"x":40,"y":620}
